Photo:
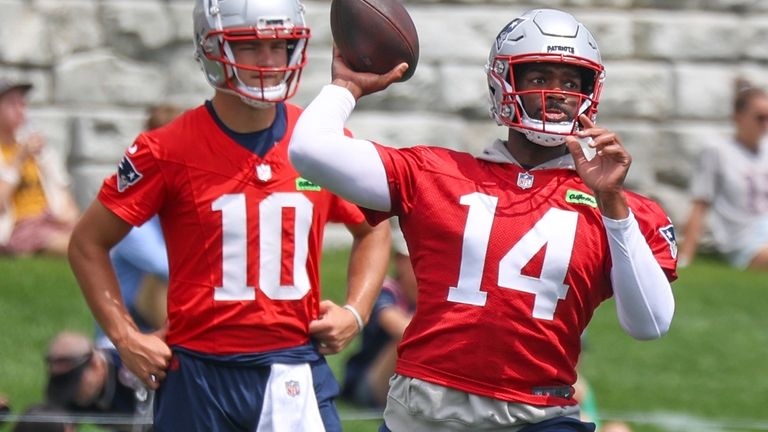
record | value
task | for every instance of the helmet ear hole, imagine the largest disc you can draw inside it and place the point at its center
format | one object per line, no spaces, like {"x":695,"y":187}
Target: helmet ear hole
{"x":508,"y":111}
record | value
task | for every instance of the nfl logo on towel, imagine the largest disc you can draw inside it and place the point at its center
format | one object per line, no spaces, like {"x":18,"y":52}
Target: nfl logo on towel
{"x":292,"y":388}
{"x":524,"y":180}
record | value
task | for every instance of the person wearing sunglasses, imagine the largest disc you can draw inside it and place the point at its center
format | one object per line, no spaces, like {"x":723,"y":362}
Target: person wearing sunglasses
{"x":729,"y":188}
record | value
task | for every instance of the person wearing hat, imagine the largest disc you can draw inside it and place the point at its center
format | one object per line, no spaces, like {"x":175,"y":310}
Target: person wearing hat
{"x":37,"y":209}
{"x":85,"y":379}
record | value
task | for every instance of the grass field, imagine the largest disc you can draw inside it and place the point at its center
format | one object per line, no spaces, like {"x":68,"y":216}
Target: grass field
{"x":708,"y":374}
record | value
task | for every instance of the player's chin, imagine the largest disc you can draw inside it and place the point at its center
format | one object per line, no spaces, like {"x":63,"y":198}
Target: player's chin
{"x":263,"y":82}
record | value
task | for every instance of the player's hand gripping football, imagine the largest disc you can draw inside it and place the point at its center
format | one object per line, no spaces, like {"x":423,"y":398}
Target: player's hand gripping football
{"x":146,"y":355}
{"x":362,"y":83}
{"x":335,"y":328}
{"x":605,"y":173}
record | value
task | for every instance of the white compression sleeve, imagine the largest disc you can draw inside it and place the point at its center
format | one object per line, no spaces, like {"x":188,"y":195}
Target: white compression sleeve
{"x":644,"y":301}
{"x":319,"y":150}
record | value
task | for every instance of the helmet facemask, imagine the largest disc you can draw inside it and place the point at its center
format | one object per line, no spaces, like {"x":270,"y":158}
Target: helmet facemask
{"x":256,"y":85}
{"x":544,"y":116}
{"x":543,"y":37}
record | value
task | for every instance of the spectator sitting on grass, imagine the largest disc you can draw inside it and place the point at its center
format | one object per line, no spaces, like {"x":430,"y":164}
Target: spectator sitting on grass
{"x":82,"y":378}
{"x":368,"y":371}
{"x":731,"y":180}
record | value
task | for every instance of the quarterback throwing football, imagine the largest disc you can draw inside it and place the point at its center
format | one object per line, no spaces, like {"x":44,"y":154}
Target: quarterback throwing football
{"x":513,"y":250}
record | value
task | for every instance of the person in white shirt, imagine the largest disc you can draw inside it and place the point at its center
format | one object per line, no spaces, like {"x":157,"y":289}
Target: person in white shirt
{"x":730,"y":186}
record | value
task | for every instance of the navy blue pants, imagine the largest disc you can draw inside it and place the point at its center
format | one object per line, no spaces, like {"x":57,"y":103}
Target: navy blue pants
{"x":203,"y":396}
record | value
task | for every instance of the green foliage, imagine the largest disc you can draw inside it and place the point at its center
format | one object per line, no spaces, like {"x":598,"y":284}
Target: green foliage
{"x":710,"y":366}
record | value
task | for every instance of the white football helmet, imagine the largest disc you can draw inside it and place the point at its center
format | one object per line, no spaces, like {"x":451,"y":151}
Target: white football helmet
{"x":542,"y":36}
{"x":217,"y":23}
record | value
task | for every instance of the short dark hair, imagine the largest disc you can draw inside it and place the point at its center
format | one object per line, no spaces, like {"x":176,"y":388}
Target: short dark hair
{"x":745,"y":94}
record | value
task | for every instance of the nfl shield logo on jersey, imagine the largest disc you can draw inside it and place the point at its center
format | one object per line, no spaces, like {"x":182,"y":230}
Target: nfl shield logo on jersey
{"x":292,"y":388}
{"x":264,"y":172}
{"x":524,"y":180}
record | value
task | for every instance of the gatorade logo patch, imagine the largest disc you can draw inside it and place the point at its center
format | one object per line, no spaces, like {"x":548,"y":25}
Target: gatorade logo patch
{"x":578,"y":197}
{"x":303,"y":184}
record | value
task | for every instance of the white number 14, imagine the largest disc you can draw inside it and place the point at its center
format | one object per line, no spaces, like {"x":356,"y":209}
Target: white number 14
{"x":556,"y":229}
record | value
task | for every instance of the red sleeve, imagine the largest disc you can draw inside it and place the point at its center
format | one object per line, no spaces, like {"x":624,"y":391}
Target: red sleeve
{"x":658,"y":230}
{"x":345,"y":212}
{"x":136,"y":191}
{"x":402,"y":167}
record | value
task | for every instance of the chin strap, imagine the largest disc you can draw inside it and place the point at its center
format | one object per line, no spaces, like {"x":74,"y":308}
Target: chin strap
{"x":256,"y":103}
{"x":541,"y":138}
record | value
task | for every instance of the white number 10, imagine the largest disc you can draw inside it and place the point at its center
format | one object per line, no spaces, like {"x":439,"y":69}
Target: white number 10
{"x":556,"y":229}
{"x":235,"y":247}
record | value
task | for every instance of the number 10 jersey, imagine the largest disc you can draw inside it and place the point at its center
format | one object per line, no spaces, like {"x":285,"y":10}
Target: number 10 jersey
{"x":244,"y":233}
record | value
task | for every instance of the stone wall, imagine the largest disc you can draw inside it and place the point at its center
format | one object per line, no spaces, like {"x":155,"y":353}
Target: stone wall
{"x":97,"y":65}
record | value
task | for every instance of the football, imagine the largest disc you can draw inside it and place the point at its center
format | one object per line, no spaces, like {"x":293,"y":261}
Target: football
{"x":375,"y":35}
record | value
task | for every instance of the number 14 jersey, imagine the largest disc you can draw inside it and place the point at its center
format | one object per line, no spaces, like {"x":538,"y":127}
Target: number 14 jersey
{"x":510,"y":264}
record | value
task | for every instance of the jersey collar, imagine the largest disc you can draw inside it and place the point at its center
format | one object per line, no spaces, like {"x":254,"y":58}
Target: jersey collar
{"x":498,"y":153}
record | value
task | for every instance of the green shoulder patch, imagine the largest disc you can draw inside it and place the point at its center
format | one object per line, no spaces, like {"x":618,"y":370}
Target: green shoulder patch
{"x":303,"y":184}
{"x":578,"y":197}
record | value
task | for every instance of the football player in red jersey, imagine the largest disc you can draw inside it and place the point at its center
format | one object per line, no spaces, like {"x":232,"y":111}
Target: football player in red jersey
{"x":244,"y":235}
{"x":514,"y":249}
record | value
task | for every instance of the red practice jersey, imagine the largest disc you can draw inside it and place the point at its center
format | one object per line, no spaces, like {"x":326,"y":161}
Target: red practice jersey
{"x":510,"y":264}
{"x":244,"y":233}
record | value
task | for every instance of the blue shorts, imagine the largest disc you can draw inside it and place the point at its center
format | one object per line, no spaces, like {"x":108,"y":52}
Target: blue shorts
{"x":205,"y":396}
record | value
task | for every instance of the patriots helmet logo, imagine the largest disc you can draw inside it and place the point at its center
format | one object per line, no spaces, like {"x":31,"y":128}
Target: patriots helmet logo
{"x":668,"y":232}
{"x":502,"y":37}
{"x":127,"y":174}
